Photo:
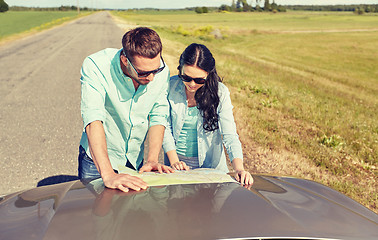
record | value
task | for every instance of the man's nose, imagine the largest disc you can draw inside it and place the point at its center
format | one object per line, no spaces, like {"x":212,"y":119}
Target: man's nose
{"x":150,"y":77}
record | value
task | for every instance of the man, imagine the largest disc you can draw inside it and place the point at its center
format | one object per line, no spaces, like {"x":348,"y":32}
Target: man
{"x":123,"y":95}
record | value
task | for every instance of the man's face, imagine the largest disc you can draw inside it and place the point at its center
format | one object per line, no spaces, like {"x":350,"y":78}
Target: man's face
{"x":142,"y":69}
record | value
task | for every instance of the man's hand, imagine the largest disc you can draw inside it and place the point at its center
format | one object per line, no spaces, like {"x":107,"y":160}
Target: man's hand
{"x":180,"y":165}
{"x":155,"y":166}
{"x":124,"y":182}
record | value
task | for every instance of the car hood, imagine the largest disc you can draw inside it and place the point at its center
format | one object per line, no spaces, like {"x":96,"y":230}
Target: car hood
{"x":274,"y":208}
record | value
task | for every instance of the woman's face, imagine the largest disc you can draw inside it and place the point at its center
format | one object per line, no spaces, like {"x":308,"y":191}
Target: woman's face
{"x":193,"y":72}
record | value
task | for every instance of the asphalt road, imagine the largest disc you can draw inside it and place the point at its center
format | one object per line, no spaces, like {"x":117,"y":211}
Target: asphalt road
{"x":40,"y":121}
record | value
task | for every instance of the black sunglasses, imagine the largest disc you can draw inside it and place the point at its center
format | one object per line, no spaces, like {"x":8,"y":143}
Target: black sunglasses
{"x":186,"y":78}
{"x":147,"y":73}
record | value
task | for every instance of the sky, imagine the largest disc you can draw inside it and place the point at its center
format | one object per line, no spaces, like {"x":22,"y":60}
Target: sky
{"x":166,"y":4}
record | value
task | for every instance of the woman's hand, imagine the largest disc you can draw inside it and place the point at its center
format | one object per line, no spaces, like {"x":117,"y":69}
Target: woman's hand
{"x":155,"y":166}
{"x":180,"y":165}
{"x":244,"y":177}
{"x":241,"y":175}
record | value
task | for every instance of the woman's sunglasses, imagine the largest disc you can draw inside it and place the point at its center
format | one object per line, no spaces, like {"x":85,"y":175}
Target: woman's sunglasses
{"x":186,"y":78}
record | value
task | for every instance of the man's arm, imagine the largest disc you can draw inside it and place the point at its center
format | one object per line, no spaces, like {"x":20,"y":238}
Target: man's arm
{"x":97,"y":145}
{"x":155,"y":141}
{"x":158,"y":118}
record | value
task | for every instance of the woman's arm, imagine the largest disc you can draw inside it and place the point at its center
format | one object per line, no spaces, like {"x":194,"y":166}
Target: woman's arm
{"x":241,"y":175}
{"x":231,"y":138}
{"x":227,"y":124}
{"x":175,"y":161}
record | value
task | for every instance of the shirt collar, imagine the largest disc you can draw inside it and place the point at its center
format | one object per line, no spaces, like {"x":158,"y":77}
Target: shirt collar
{"x":124,"y":80}
{"x":180,"y":87}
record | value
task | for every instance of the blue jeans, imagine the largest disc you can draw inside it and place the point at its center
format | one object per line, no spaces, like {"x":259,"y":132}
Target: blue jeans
{"x":87,"y":169}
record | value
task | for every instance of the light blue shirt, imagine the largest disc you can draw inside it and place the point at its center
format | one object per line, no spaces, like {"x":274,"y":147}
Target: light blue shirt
{"x":187,"y":144}
{"x":210,"y":144}
{"x":108,"y":95}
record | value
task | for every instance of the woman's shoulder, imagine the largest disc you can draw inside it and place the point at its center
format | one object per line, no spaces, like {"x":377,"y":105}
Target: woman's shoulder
{"x":174,"y":79}
{"x":222,"y":89}
{"x":175,"y":85}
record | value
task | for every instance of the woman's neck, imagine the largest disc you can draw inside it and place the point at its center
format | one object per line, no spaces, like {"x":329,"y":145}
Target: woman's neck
{"x":190,"y":98}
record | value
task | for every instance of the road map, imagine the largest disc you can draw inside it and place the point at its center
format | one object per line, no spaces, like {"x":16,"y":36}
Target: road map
{"x":199,"y":175}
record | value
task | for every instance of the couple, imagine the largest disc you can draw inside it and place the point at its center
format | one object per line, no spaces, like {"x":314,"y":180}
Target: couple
{"x":127,"y":93}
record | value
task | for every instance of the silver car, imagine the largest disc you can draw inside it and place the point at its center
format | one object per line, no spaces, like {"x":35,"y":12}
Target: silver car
{"x":273,"y":208}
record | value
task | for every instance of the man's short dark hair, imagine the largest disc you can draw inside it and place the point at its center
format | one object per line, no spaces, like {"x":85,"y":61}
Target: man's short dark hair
{"x":141,"y":41}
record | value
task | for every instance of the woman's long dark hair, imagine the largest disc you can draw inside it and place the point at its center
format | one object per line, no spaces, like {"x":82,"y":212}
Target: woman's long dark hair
{"x":207,"y":96}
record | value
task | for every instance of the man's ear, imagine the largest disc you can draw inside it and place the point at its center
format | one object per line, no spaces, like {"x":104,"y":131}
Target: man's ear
{"x":124,"y":64}
{"x":127,"y":68}
{"x":124,"y":60}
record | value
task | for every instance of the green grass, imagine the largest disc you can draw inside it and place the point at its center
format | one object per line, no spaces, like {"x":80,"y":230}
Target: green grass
{"x":294,"y":21}
{"x":302,"y":82}
{"x":15,"y":22}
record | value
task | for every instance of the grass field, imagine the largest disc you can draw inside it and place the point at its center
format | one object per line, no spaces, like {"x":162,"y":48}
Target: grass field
{"x":304,"y":86}
{"x":19,"y":22}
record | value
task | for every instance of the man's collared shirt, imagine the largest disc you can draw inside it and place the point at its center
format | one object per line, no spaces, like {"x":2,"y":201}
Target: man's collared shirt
{"x":108,"y":95}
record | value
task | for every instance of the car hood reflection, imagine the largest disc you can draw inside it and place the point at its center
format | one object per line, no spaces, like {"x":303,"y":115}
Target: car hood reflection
{"x":273,"y":208}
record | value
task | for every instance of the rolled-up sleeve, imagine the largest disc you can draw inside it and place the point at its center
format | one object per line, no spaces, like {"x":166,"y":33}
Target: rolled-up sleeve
{"x":228,"y":127}
{"x":159,"y":112}
{"x":92,"y":93}
{"x":168,"y":141}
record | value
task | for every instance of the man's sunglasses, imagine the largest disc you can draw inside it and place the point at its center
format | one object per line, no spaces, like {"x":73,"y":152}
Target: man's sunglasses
{"x":186,"y":78}
{"x":142,"y":74}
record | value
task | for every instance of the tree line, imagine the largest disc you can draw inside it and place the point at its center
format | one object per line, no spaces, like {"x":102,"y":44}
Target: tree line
{"x":361,"y":8}
{"x":61,"y":8}
{"x":243,"y":6}
{"x":3,"y":6}
{"x":236,"y":6}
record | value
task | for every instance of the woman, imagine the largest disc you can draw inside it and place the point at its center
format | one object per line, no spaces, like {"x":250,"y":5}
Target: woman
{"x":201,"y":118}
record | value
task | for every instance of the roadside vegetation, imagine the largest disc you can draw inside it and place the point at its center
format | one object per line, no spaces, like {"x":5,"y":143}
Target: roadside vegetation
{"x":3,"y":6}
{"x":14,"y":24}
{"x":304,"y":86}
